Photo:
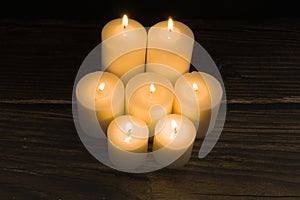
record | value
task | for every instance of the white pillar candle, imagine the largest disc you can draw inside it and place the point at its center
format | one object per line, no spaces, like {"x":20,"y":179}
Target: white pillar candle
{"x":124,"y":48}
{"x":100,"y":98}
{"x":198,"y":96}
{"x":169,"y":49}
{"x":173,"y":140}
{"x":127,"y":142}
{"x":149,"y":96}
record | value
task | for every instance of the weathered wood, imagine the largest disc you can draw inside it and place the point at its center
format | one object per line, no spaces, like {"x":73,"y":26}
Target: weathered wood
{"x":256,"y":157}
{"x":42,"y":156}
{"x":258,"y":61}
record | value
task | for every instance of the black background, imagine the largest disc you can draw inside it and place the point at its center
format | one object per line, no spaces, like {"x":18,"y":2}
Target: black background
{"x":149,"y":9}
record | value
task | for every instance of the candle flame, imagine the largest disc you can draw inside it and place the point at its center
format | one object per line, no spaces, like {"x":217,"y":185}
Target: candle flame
{"x":101,"y":86}
{"x":174,"y":128}
{"x":173,"y":125}
{"x":125,"y":21}
{"x":152,"y":88}
{"x":127,"y":139}
{"x":195,"y":87}
{"x":170,"y":24}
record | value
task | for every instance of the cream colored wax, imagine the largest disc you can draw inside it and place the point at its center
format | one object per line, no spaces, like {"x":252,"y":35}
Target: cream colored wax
{"x":100,"y":98}
{"x":149,"y":96}
{"x":127,"y":142}
{"x":169,"y":49}
{"x":198,"y":97}
{"x":173,"y":140}
{"x":123,"y":48}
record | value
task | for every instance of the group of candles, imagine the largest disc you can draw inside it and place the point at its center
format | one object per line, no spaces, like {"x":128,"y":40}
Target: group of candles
{"x":145,"y":97}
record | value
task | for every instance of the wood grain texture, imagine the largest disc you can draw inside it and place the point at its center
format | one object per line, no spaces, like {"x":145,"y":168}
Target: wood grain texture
{"x":253,"y":58}
{"x":257,"y":156}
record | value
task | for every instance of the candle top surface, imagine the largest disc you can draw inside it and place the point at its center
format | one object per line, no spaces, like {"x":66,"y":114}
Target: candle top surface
{"x":175,"y":131}
{"x":193,"y":87}
{"x":178,"y":27}
{"x":96,"y":86}
{"x":145,"y":80}
{"x":116,"y":26}
{"x":107,"y":82}
{"x":145,"y":98}
{"x":128,"y":133}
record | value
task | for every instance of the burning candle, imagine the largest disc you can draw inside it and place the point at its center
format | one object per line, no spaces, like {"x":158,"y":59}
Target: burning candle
{"x":173,"y":140}
{"x":124,"y":48}
{"x":198,"y":97}
{"x":127,"y":142}
{"x":169,"y":49}
{"x":149,"y":96}
{"x":100,"y":98}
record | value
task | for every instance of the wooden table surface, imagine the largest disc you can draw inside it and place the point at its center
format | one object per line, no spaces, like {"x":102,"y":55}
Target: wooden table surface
{"x":256,"y":157}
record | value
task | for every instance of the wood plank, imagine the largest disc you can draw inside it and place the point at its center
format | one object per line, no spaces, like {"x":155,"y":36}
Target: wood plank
{"x":257,"y":156}
{"x":41,"y":157}
{"x":258,"y":60}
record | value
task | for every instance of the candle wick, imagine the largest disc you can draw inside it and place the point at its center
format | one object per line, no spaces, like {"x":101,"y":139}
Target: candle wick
{"x":128,"y":138}
{"x":152,"y":89}
{"x":173,"y":133}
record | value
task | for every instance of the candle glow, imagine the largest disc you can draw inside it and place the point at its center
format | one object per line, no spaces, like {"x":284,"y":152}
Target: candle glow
{"x":128,"y":128}
{"x":101,"y":86}
{"x":174,"y":128}
{"x":199,"y":98}
{"x":127,"y":135}
{"x":174,"y":138}
{"x":125,"y":45}
{"x":195,"y":87}
{"x":170,"y":24}
{"x":169,"y":49}
{"x":127,"y":139}
{"x":152,"y":88}
{"x":125,"y":21}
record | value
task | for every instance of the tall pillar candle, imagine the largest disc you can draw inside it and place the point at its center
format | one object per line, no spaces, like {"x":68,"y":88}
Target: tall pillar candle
{"x":169,"y":49}
{"x":198,"y":97}
{"x":149,"y":96}
{"x":123,"y":48}
{"x":100,"y":98}
{"x":173,"y":140}
{"x":127,"y":142}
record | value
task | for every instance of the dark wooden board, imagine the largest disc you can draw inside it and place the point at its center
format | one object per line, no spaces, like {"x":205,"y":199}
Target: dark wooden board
{"x":42,"y":57}
{"x":257,"y":156}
